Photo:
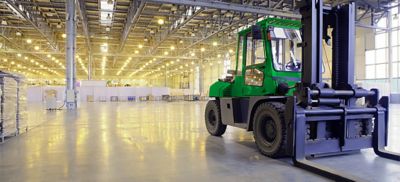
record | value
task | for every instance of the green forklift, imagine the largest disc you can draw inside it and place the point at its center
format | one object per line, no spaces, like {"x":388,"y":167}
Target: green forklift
{"x":277,"y":91}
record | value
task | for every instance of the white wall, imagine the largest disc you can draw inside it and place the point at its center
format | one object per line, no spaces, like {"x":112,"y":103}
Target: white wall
{"x":36,"y":94}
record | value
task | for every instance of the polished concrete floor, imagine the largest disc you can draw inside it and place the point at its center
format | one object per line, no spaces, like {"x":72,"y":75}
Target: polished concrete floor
{"x":158,"y":141}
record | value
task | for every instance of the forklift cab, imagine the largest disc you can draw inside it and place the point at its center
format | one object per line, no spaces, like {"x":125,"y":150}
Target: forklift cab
{"x":268,"y":59}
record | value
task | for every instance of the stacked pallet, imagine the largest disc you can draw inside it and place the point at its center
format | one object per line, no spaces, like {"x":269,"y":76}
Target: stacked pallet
{"x":12,"y":105}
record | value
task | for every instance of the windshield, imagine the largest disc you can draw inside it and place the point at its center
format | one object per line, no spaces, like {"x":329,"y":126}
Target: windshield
{"x":286,"y":55}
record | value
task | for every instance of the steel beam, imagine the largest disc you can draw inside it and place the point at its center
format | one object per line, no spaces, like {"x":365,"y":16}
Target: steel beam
{"x":16,"y":48}
{"x":370,"y":26}
{"x":82,"y":13}
{"x":278,"y":4}
{"x":33,"y":18}
{"x":169,"y":32}
{"x":231,"y":6}
{"x":215,"y":32}
{"x":134,"y":12}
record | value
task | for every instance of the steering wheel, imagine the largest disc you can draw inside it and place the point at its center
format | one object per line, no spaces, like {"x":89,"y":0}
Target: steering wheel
{"x":293,"y":66}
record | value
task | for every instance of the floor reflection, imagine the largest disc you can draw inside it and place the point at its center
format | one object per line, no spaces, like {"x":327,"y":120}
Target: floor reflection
{"x":158,"y":141}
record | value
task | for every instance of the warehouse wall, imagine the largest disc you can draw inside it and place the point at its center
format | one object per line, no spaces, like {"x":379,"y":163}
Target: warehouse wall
{"x":365,"y":40}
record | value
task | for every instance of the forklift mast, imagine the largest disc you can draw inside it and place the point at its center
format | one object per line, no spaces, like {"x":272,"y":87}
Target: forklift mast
{"x":318,"y":103}
{"x":316,"y":20}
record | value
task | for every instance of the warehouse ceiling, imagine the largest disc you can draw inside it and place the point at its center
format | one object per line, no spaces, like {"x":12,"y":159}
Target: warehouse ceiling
{"x":135,"y":39}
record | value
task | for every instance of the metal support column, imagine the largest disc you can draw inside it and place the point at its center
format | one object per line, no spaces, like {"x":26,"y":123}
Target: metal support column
{"x":390,"y":49}
{"x":90,"y":66}
{"x":201,"y":78}
{"x":165,"y":77}
{"x":70,"y":92}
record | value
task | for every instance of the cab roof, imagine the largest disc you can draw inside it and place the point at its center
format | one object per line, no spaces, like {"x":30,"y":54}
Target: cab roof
{"x":275,"y":22}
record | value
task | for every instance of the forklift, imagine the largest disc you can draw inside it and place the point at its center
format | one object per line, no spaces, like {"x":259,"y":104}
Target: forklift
{"x":277,"y":91}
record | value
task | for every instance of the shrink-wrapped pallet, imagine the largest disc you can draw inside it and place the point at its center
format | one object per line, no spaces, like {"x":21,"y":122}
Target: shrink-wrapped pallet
{"x":9,"y":106}
{"x":23,"y":124}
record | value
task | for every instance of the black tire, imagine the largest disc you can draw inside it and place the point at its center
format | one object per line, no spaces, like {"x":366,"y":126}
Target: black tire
{"x":214,"y":124}
{"x":269,"y":129}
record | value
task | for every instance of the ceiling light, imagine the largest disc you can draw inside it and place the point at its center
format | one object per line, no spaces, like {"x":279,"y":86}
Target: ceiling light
{"x":192,"y":54}
{"x":215,"y":43}
{"x":28,"y":41}
{"x":36,"y":48}
{"x":64,"y":35}
{"x":136,"y":52}
{"x":219,"y":55}
{"x":104,"y":47}
{"x":19,"y":55}
{"x":172,"y":48}
{"x":48,"y":55}
{"x":18,"y":33}
{"x":140,"y":46}
{"x":25,"y":58}
{"x":160,"y":22}
{"x":178,"y":60}
{"x":166,"y":53}
{"x":202,"y":49}
{"x":181,"y":41}
{"x":3,"y":22}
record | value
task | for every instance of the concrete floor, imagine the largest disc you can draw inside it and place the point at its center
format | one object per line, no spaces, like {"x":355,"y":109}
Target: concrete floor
{"x":158,"y":141}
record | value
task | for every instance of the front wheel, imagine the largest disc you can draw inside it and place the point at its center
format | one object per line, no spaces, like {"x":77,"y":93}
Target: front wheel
{"x":269,"y":129}
{"x":213,"y":121}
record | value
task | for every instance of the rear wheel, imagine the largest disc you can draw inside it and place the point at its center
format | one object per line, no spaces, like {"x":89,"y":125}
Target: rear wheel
{"x":214,"y":124}
{"x":269,"y":129}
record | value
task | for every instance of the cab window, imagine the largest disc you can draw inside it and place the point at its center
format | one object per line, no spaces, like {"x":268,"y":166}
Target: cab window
{"x":239,"y":56}
{"x":254,"y":55}
{"x":286,"y":55}
{"x":254,"y":77}
{"x":255,"y":51}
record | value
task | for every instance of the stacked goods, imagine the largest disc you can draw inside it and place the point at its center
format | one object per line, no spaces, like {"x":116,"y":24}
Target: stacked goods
{"x":9,"y":106}
{"x":22,"y":115}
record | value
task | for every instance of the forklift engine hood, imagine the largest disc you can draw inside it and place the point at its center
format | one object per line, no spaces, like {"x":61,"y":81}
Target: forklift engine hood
{"x":220,"y":89}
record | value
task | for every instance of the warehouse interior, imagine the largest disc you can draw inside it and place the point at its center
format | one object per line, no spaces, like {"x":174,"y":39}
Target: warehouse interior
{"x":119,"y":90}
